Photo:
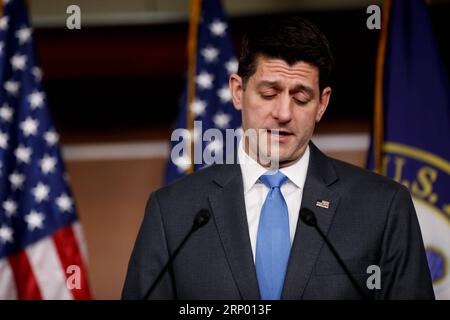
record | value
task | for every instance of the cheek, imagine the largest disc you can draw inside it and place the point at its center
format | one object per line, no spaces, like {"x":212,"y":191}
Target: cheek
{"x":305,"y":120}
{"x":255,"y":110}
{"x":253,"y":102}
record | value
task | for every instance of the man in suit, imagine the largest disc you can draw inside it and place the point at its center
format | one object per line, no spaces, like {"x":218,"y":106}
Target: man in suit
{"x":255,"y":246}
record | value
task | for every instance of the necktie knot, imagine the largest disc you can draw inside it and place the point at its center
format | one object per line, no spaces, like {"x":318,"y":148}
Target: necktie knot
{"x":273,"y":180}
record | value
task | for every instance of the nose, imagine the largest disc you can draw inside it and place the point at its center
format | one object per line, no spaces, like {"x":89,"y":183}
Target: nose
{"x":282,"y":110}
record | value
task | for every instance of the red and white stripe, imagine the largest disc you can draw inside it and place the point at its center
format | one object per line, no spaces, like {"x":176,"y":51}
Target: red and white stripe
{"x":39,"y":271}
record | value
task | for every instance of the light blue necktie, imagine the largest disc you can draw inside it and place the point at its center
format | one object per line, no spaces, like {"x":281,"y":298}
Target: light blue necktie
{"x":273,"y":242}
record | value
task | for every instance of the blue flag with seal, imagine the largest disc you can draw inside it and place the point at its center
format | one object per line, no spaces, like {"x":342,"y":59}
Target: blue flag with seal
{"x":413,"y":108}
{"x":207,"y":98}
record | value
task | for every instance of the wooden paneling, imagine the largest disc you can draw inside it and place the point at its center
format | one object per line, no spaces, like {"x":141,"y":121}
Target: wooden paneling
{"x":111,"y":197}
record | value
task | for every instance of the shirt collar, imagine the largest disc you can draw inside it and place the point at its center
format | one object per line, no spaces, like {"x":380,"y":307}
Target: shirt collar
{"x":252,"y":170}
{"x":297,"y":171}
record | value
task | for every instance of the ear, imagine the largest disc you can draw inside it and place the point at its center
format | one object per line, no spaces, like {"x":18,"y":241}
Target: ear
{"x":323,"y":103}
{"x":236,"y":89}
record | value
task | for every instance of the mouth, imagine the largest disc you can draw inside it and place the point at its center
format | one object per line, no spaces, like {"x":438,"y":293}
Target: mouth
{"x":279,"y":134}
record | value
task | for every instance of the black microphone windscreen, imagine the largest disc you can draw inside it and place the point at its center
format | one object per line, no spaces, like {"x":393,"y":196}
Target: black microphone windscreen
{"x":201,"y":218}
{"x":308,"y":217}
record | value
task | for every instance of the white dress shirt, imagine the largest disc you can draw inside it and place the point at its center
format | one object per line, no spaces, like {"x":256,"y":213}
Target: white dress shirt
{"x":255,"y":192}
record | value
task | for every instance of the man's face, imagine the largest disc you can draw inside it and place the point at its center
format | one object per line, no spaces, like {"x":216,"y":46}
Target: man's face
{"x":281,"y":97}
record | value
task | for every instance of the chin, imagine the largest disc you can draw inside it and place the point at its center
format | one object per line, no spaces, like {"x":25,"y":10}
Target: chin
{"x":286,"y":155}
{"x":289,"y":157}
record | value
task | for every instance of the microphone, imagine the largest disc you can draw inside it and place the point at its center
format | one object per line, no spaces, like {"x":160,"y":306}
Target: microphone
{"x":309,"y":218}
{"x":201,"y":219}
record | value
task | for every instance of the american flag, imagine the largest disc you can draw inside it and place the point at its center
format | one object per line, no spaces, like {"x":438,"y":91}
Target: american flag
{"x":42,"y":251}
{"x":215,"y":61}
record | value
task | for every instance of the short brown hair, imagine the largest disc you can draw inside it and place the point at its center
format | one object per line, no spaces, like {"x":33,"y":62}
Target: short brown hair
{"x":291,"y":39}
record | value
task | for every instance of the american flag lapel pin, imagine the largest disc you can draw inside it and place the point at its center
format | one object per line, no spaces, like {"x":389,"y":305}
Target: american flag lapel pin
{"x":323,"y":204}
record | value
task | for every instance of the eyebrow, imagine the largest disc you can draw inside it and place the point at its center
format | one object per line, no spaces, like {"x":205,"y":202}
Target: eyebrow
{"x":267,"y":83}
{"x":298,"y":88}
{"x":302,"y":88}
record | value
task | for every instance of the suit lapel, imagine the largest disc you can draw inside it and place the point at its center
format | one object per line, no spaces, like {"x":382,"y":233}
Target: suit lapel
{"x":307,"y":242}
{"x":228,"y":207}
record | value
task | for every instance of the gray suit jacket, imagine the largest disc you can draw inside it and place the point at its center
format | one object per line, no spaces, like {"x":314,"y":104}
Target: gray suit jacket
{"x":370,"y":220}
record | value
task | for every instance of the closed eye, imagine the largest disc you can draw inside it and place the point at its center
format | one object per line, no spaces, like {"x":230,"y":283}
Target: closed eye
{"x":300,"y":102}
{"x":268,"y":97}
